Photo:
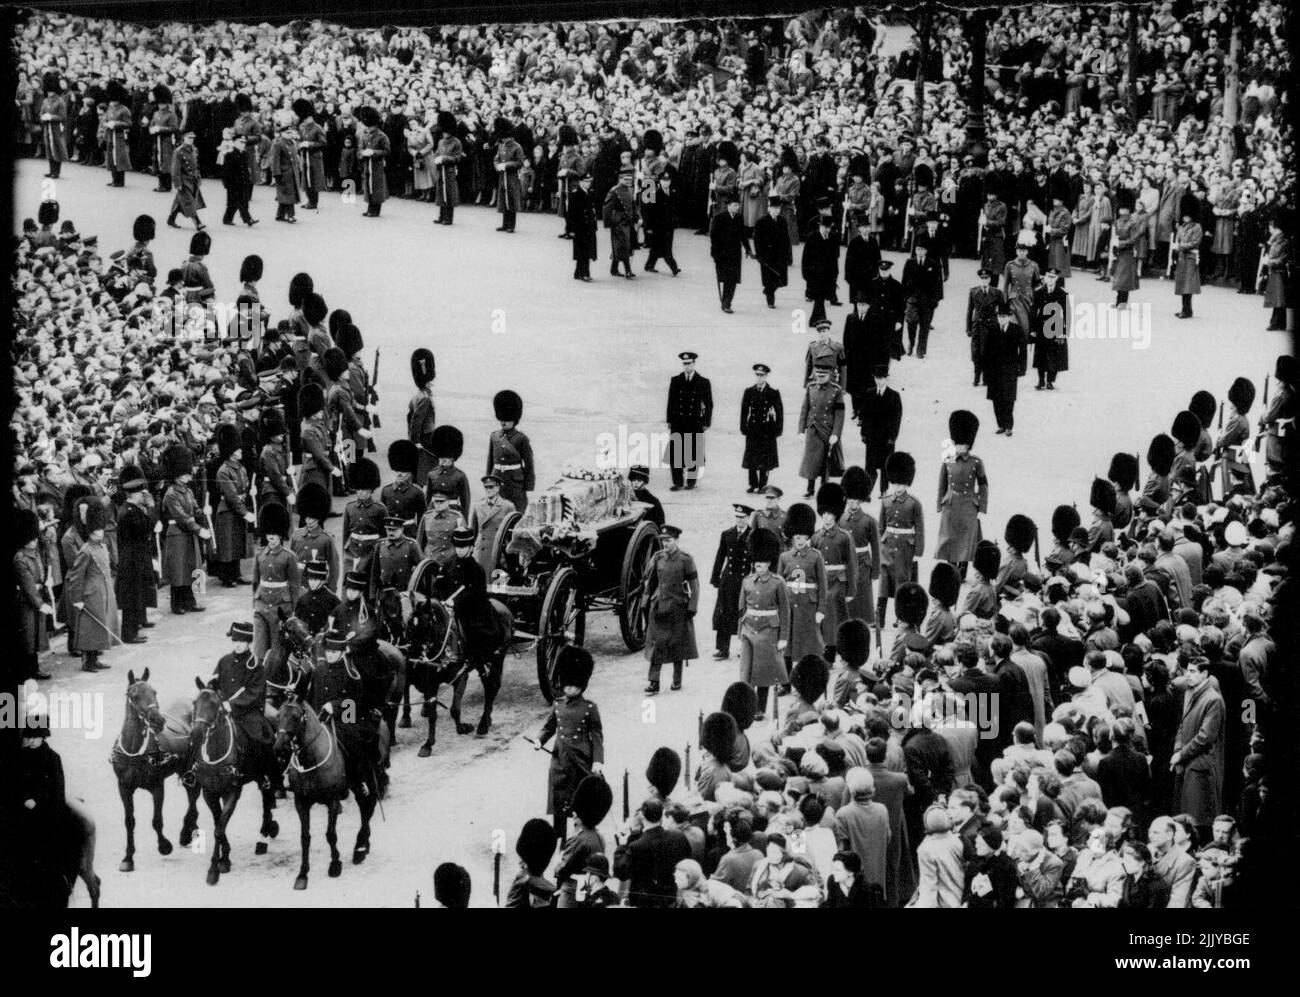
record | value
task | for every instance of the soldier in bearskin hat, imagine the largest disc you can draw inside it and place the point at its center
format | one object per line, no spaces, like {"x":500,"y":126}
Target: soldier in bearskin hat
{"x":902,"y":524}
{"x":852,"y":649}
{"x":447,"y":154}
{"x":363,"y":518}
{"x":88,"y":588}
{"x":115,"y":132}
{"x":574,"y":722}
{"x":764,"y":625}
{"x":284,"y":167}
{"x":1123,"y":474}
{"x":910,"y":605}
{"x":311,"y":151}
{"x":421,"y":414}
{"x":54,"y":124}
{"x":808,"y":680}
{"x":135,"y":585}
{"x":1021,"y":534}
{"x":508,"y":160}
{"x":1065,"y":520}
{"x":963,"y":493}
{"x":277,"y":579}
{"x":840,"y":558}
{"x":510,"y":454}
{"x":864,"y":532}
{"x":311,"y":542}
{"x":717,"y":742}
{"x":1155,"y":490}
{"x":569,"y":169}
{"x":535,"y":847}
{"x":187,"y":528}
{"x":164,"y":125}
{"x":401,"y":498}
{"x":1186,"y":243}
{"x":240,"y":680}
{"x":1236,"y":471}
{"x":1101,"y":498}
{"x":981,"y":598}
{"x":234,"y":512}
{"x":448,"y":444}
{"x":804,"y":572}
{"x":940,"y":625}
{"x":592,"y":801}
{"x":373,"y":149}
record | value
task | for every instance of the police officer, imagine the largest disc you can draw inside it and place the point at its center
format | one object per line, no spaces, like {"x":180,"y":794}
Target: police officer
{"x":402,"y":498}
{"x":434,"y":534}
{"x":276,"y":580}
{"x":317,"y":604}
{"x":574,"y":721}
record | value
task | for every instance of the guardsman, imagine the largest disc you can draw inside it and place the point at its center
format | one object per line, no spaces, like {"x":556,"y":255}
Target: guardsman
{"x":434,"y":534}
{"x":1051,"y":329}
{"x":762,"y":420}
{"x":804,"y":573}
{"x":861,"y":260}
{"x":401,"y":498}
{"x":316,"y":606}
{"x":487,"y":519}
{"x":764,"y":608}
{"x":276,"y":580}
{"x":54,"y":124}
{"x":420,"y":414}
{"x":510,"y":454}
{"x":395,"y":558}
{"x":981,"y":316}
{"x":115,"y":133}
{"x":771,"y":241}
{"x":310,"y":542}
{"x":1123,"y":474}
{"x":311,"y":151}
{"x":1187,"y":244}
{"x":963,"y":494}
{"x":672,"y":595}
{"x":569,"y":168}
{"x":1230,"y":447}
{"x":864,"y":531}
{"x":373,"y":149}
{"x":825,"y":348}
{"x":690,"y":413}
{"x":836,"y":548}
{"x":187,"y":530}
{"x":240,"y":681}
{"x":821,"y":422}
{"x":639,"y":478}
{"x":273,"y":481}
{"x":902,"y":523}
{"x":820,"y":267}
{"x":354,"y":608}
{"x":771,"y":516}
{"x":318,"y":465}
{"x":1057,"y":233}
{"x":730,"y":566}
{"x":656,"y":199}
{"x":163,"y":126}
{"x":447,"y":444}
{"x":574,"y":722}
{"x":363,"y":519}
{"x":508,"y":161}
{"x":447,"y":154}
{"x":139,"y":258}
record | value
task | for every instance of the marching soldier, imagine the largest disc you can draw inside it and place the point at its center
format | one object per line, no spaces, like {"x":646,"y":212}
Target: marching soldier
{"x":772,"y":516}
{"x":276,"y":580}
{"x":825,"y":348}
{"x":363,"y":519}
{"x":690,"y":413}
{"x":730,"y":566}
{"x":864,"y":531}
{"x":804,"y":572}
{"x":233,"y":513}
{"x":639,"y":478}
{"x":187,"y":529}
{"x":881,"y":416}
{"x":1230,"y":447}
{"x":902,"y":522}
{"x":447,"y":444}
{"x":672,"y":595}
{"x":401,"y":498}
{"x":861,"y":260}
{"x":762,"y":420}
{"x":764,"y":608}
{"x":1051,"y":328}
{"x":510,"y":453}
{"x":373,"y":148}
{"x":316,"y":606}
{"x":821,"y":421}
{"x":310,"y":542}
{"x":963,"y":494}
{"x":311,"y":151}
{"x":318,"y":465}
{"x":840,"y":558}
{"x":619,"y":214}
{"x":981,"y":316}
{"x":240,"y":681}
{"x":1187,"y":244}
{"x":163,"y":126}
{"x":508,"y":161}
{"x":1020,"y":279}
{"x":487,"y":520}
{"x":395,"y":558}
{"x":439,"y":523}
{"x":420,"y":413}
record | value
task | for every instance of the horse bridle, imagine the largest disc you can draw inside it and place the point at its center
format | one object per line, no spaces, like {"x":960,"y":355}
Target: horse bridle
{"x":148,"y":731}
{"x":296,"y":744}
{"x":207,"y":732}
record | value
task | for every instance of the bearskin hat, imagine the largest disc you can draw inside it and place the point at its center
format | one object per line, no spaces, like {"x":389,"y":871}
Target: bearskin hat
{"x":573,"y":666}
{"x":335,"y":362}
{"x":809,"y":678}
{"x":200,"y":244}
{"x":48,"y":212}
{"x":740,"y":702}
{"x":176,"y":461}
{"x":273,"y":424}
{"x":568,"y":136}
{"x":652,"y":140}
{"x":422,"y":367}
{"x":227,"y":438}
{"x":1160,"y":454}
{"x":962,"y":427}
{"x":987,"y":559}
{"x":729,"y":154}
{"x":339,"y":317}
{"x":800,"y":519}
{"x":502,"y":128}
{"x":402,"y":457}
{"x":144,"y":228}
{"x":250,"y":269}
{"x":718,"y":736}
{"x":365,"y":473}
{"x":74,"y":494}
{"x":28,"y":527}
{"x":853,"y":642}
{"x":243,"y":103}
{"x":1021,"y":532}
{"x":273,"y":518}
{"x":368,"y":116}
{"x":303,"y":108}
{"x":945,"y":583}
{"x":764,"y":545}
{"x":299,"y":287}
{"x":314,"y":309}
{"x":1186,"y":429}
{"x":1242,"y":395}
{"x":96,"y":516}
{"x":116,"y":91}
{"x":1287,"y":369}
{"x":900,"y":468}
{"x":349,"y":340}
{"x":859,"y":166}
{"x":923,"y":175}
{"x":911,"y":603}
{"x":592,"y":800}
{"x":830,"y":498}
{"x":311,"y":400}
{"x":51,"y":82}
{"x":536,"y":845}
{"x":161,"y":94}
{"x":1124,"y":471}
{"x":508,"y":406}
{"x":1190,"y":204}
{"x":1203,"y":406}
{"x":313,"y":502}
{"x":1102,"y":496}
{"x":446,"y":122}
{"x":856,"y":484}
{"x":664,"y":770}
{"x":447,"y":441}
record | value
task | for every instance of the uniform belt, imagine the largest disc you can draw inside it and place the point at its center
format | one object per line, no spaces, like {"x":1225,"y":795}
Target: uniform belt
{"x":836,"y":567}
{"x":762,"y":612}
{"x":264,"y":584}
{"x":801,"y":586}
{"x":903,"y":530}
{"x":862,"y":550}
{"x":508,"y":467}
{"x":363,"y":537}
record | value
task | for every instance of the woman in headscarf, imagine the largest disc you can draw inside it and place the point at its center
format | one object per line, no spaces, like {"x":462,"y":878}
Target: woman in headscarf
{"x":694,"y":890}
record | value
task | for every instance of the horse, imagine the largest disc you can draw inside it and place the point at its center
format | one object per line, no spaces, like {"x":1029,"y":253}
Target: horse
{"x":319,"y":773}
{"x":222,"y":765}
{"x":150,"y":747}
{"x":440,"y":658}
{"x":86,"y":853}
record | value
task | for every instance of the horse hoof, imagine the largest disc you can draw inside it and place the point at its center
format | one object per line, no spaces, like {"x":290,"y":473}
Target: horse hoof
{"x":405,"y":723}
{"x":425,"y":751}
{"x":224,"y":865}
{"x":300,"y":883}
{"x":359,"y":854}
{"x":483,"y":727}
{"x":214,"y":875}
{"x":187,"y":835}
{"x":259,"y":848}
{"x":128,"y":865}
{"x":336,"y":868}
{"x":164,"y":846}
{"x":463,"y":728}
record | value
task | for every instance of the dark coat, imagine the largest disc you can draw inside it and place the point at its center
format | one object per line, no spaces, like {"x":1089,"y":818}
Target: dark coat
{"x":861,"y":265}
{"x":1006,"y":354}
{"x":581,"y":217}
{"x":727,"y":240}
{"x":730,"y":566}
{"x":647,"y":865}
{"x":136,"y":584}
{"x":1050,"y":317}
{"x":882,"y":415}
{"x":773,"y":252}
{"x":762,"y":420}
{"x":29,"y":571}
{"x":579,"y":743}
{"x":820,"y":265}
{"x":868,"y":342}
{"x":90,"y":582}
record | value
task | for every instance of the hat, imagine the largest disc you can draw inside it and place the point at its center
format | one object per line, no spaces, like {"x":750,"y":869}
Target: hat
{"x":900,"y":468}
{"x":809,"y":678}
{"x":911,"y":603}
{"x":987,"y":559}
{"x":718,"y":735}
{"x":800,"y":520}
{"x":945,"y":583}
{"x":316,"y":569}
{"x":830,"y":498}
{"x":765,"y":546}
{"x":855,"y":484}
{"x":886,"y":265}
{"x":686,"y":356}
{"x":348,"y":339}
{"x":508,"y":406}
{"x":536,"y":845}
{"x":368,"y":116}
{"x":447,"y":123}
{"x":241,"y":632}
{"x":1160,"y":454}
{"x":962,"y":427}
{"x":422,"y":367}
{"x":1287,"y":369}
{"x":448,"y":441}
{"x":311,"y":400}
{"x":227,"y":439}
{"x":741,"y":509}
{"x":1189,"y":205}
{"x":983,"y":272}
{"x":1203,"y":406}
{"x":664,"y":770}
{"x":462,"y":537}
{"x":491,"y":479}
{"x":1079,"y":677}
{"x":27,"y":527}
{"x":1021,"y":532}
{"x":762,"y":368}
{"x":144,"y":228}
{"x":1242,"y":395}
{"x":853,"y":642}
{"x":176,"y":461}
{"x":131,"y":479}
{"x":1234,"y":534}
{"x":402,"y":457}
{"x":1186,"y":429}
{"x":365,"y":474}
{"x":638,"y":472}
{"x":243,"y":103}
{"x":729,"y":154}
{"x":1102,"y":496}
{"x":314,"y":308}
{"x":597,"y":864}
{"x":592,"y":800}
{"x":48,"y":212}
{"x":772,"y":491}
{"x":313,"y":502}
{"x":273,"y":518}
{"x":740,"y":701}
{"x":356,"y":580}
{"x":1123,"y":471}
{"x":573,"y":666}
{"x":200,"y":244}
{"x":303,"y":108}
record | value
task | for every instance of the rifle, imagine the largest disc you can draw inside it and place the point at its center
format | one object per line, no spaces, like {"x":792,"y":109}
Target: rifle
{"x":979,"y":237}
{"x":374,"y":396}
{"x":627,"y":806}
{"x":686,"y":769}
{"x":1220,"y":416}
{"x":496,"y":877}
{"x":1170,"y":269}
